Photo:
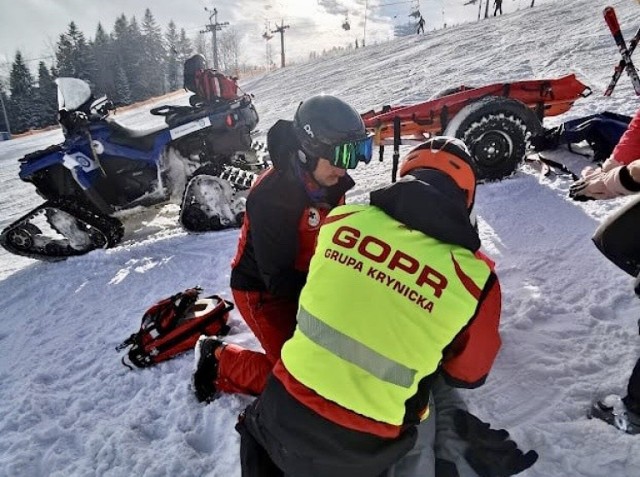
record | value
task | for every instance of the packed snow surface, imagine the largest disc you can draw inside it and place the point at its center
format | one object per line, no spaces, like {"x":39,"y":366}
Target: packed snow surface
{"x":569,"y":325}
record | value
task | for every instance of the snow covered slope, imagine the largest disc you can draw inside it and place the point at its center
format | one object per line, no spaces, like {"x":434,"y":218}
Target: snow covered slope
{"x":68,"y":407}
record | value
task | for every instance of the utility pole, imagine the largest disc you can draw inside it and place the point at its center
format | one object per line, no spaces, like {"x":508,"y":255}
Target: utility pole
{"x":214,"y":27}
{"x":281,"y":30}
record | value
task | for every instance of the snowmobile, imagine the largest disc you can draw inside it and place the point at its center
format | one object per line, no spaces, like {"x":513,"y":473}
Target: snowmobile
{"x":495,"y":121}
{"x":203,"y":152}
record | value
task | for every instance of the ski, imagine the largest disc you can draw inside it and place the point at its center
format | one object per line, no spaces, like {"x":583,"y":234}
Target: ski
{"x":625,"y":64}
{"x":619,"y":69}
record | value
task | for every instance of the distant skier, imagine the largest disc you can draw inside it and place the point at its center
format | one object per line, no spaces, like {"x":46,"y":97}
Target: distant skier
{"x":421,"y":23}
{"x":498,"y":7}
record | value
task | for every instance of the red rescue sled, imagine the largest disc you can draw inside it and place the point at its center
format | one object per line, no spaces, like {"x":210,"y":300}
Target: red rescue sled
{"x":494,"y":121}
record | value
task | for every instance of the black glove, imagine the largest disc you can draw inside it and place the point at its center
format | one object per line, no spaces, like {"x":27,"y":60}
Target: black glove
{"x":491,"y":453}
{"x":576,"y":188}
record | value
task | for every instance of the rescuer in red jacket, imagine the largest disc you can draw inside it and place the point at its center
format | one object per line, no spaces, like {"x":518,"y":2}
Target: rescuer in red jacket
{"x":285,"y":208}
{"x":398,"y":296}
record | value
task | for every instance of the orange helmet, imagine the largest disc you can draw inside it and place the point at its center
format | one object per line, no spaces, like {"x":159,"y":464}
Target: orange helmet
{"x":448,"y":155}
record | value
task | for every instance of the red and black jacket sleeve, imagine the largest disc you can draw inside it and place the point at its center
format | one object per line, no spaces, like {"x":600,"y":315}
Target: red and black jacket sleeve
{"x":275,"y":247}
{"x":273,"y":217}
{"x":469,"y":358}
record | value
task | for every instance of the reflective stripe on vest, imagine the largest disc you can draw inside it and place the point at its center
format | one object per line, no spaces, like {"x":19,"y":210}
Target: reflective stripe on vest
{"x":354,"y":352}
{"x":380,"y":304}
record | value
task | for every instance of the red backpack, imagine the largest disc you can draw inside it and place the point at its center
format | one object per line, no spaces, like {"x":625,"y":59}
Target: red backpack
{"x":173,"y":325}
{"x":208,"y":84}
{"x":211,"y":85}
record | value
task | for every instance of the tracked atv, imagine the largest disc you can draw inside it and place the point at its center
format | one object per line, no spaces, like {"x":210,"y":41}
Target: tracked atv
{"x":104,"y":169}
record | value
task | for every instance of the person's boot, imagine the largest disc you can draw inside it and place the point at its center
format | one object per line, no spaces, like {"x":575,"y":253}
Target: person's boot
{"x":206,"y":368}
{"x":613,"y":410}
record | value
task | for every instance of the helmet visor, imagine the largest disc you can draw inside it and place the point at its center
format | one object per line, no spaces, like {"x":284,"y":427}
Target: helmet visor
{"x":349,"y":154}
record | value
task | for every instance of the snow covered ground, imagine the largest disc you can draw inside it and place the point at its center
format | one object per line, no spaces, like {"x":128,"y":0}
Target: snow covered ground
{"x":68,"y":407}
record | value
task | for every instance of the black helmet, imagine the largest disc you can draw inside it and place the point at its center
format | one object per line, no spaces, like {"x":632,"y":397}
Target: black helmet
{"x":323,"y":122}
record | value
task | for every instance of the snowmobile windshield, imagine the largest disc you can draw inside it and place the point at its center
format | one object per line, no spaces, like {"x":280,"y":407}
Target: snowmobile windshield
{"x":349,"y":154}
{"x":72,"y":93}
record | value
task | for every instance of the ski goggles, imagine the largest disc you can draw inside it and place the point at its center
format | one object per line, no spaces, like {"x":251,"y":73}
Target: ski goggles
{"x":349,"y":154}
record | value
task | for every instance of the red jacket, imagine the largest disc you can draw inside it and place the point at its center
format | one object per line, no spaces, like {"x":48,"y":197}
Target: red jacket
{"x":628,"y":148}
{"x":284,"y":211}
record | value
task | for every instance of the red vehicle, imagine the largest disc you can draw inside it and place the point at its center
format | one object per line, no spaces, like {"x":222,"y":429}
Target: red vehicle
{"x":494,"y":121}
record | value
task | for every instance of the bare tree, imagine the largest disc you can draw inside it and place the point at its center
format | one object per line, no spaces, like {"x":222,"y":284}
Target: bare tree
{"x":270,"y":61}
{"x":229,"y":50}
{"x":200,"y":45}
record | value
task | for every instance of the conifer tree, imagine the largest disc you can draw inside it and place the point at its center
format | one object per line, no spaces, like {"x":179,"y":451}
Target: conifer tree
{"x":46,"y":96}
{"x":173,"y":67}
{"x":123,"y":91}
{"x":104,"y":75}
{"x":132,"y":63}
{"x":73,"y":56}
{"x":125,"y":41}
{"x":133,"y":55}
{"x":152,"y":64}
{"x":21,"y":88}
{"x":185,"y":46}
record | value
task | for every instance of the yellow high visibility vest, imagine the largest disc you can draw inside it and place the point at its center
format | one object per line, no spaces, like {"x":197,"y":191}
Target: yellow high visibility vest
{"x":380,"y":304}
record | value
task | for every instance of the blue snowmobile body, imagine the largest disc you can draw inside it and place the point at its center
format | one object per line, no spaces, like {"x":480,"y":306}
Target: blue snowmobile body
{"x":103,"y":167}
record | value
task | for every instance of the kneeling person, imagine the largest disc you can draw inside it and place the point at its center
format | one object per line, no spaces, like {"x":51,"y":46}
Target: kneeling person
{"x":397,"y":295}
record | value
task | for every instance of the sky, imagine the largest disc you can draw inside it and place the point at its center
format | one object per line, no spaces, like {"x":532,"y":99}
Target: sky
{"x":33,"y":26}
{"x":569,"y":321}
